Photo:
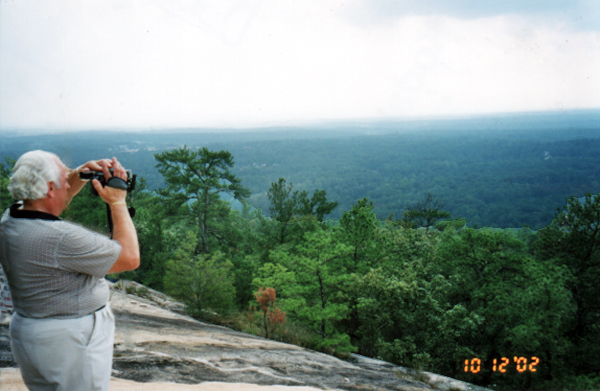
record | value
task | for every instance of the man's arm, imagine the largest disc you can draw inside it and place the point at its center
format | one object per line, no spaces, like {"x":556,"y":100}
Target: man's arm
{"x":124,"y":233}
{"x":123,"y":228}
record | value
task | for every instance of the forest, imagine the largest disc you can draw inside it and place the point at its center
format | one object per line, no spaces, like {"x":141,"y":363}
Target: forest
{"x":493,"y":178}
{"x":388,"y":263}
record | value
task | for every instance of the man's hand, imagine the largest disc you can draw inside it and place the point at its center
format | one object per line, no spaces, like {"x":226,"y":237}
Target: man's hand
{"x":94,"y":165}
{"x":109,"y":194}
{"x":76,"y":183}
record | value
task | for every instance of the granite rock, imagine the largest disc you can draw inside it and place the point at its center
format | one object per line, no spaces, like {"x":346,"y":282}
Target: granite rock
{"x":155,"y":342}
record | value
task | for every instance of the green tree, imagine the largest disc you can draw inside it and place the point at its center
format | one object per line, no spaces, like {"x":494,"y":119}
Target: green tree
{"x":5,"y":172}
{"x":401,"y":305}
{"x":572,"y":240}
{"x":317,"y":205}
{"x":425,"y":213}
{"x":240,"y":229}
{"x":359,"y":229}
{"x":288,"y":206}
{"x":89,"y":210}
{"x":158,"y":238}
{"x":522,"y":303}
{"x":311,"y":280}
{"x":203,"y":282}
{"x":195,"y":179}
{"x":400,"y":316}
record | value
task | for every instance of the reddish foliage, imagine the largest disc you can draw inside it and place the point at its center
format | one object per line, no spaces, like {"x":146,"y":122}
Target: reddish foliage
{"x":266,"y":299}
{"x":276,"y":317}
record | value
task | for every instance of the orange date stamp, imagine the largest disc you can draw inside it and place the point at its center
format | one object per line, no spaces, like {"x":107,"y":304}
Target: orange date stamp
{"x":522,"y":364}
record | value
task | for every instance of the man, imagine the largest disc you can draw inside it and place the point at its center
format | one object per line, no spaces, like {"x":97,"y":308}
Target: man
{"x":62,"y":330}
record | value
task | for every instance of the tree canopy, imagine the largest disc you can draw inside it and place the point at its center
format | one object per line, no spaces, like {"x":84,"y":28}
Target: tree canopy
{"x":195,"y":180}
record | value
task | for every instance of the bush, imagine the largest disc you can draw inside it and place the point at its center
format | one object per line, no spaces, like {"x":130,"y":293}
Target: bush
{"x":204,"y":283}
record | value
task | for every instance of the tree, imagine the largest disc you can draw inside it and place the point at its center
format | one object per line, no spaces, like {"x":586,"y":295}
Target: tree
{"x":271,"y":315}
{"x":195,"y":179}
{"x":203,"y":282}
{"x":241,"y":242}
{"x":359,"y":229}
{"x":401,"y":305}
{"x":88,"y":210}
{"x":288,"y":205}
{"x":310,"y":281}
{"x":157,"y":238}
{"x":5,"y":171}
{"x":317,"y":206}
{"x":572,"y":240}
{"x":522,"y":303}
{"x":283,"y":205}
{"x":400,"y":315}
{"x":425,"y":212}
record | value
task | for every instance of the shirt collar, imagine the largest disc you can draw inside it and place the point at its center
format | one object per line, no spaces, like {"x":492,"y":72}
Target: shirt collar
{"x":29,"y":214}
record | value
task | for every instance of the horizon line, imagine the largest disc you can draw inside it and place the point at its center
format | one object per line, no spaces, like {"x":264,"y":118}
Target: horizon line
{"x":299,"y":124}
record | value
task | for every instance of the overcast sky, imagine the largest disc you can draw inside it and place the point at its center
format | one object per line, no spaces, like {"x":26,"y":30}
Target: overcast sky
{"x":74,"y":64}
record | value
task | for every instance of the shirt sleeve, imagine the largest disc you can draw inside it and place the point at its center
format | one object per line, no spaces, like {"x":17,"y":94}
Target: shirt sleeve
{"x":83,"y":251}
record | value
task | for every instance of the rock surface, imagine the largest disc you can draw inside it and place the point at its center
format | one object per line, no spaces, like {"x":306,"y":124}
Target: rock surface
{"x":156,"y":347}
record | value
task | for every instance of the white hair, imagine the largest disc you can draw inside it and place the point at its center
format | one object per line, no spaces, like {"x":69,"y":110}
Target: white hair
{"x":32,"y":173}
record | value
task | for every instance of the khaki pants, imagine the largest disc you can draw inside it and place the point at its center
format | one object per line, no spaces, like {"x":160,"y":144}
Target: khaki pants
{"x":64,"y":354}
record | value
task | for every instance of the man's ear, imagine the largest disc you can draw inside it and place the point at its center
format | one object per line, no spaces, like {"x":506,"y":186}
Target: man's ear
{"x":50,"y":192}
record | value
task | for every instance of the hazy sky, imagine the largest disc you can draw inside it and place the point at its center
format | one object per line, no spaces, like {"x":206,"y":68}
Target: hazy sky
{"x":74,"y":64}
